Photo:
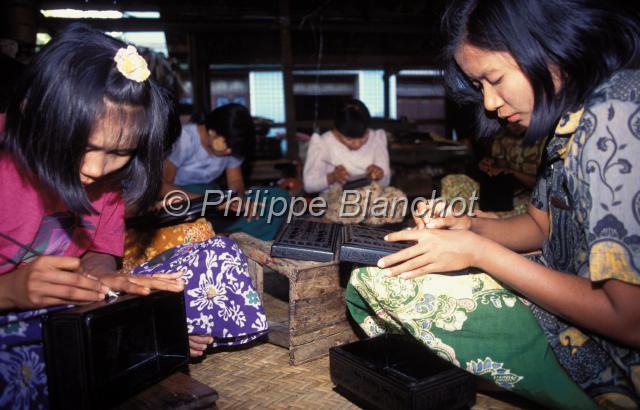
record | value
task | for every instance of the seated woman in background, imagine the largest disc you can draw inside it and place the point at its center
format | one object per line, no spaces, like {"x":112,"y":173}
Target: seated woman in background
{"x":508,"y":174}
{"x":563,"y":327}
{"x":67,"y":168}
{"x":504,"y":178}
{"x":205,"y":151}
{"x":349,"y":151}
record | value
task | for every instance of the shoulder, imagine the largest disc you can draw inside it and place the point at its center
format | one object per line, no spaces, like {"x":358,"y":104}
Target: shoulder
{"x":378,"y":136}
{"x":321,"y":140}
{"x":612,"y":115}
{"x":324,"y":138}
{"x":622,"y":86}
{"x":187,"y":144}
{"x":189,"y":132}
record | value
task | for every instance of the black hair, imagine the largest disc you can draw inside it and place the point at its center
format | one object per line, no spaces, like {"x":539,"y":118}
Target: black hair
{"x":352,"y":118}
{"x":72,"y":83}
{"x":587,"y":40}
{"x":234,"y":122}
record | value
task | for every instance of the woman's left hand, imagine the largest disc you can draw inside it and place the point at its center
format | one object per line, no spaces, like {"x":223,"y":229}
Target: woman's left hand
{"x":436,"y":250}
{"x":143,"y":284}
{"x":198,"y":344}
{"x":375,"y":172}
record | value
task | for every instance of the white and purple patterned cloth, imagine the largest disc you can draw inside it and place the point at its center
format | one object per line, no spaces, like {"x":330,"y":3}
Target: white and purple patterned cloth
{"x":220,"y":299}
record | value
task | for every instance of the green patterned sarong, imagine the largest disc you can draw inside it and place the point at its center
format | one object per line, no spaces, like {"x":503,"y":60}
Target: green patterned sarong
{"x":471,"y":321}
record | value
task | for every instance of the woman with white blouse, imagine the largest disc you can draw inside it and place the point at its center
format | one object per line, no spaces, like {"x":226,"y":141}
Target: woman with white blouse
{"x":347,"y":152}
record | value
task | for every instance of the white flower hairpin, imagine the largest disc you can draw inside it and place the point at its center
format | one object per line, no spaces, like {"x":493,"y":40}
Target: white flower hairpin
{"x":131,"y":64}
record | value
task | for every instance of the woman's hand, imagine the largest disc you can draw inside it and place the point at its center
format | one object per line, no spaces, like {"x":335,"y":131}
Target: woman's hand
{"x":374,"y":172}
{"x":339,"y":175}
{"x":143,"y":284}
{"x":436,"y":250}
{"x":49,"y":281}
{"x":485,"y":165}
{"x":434,"y":214}
{"x":198,"y":344}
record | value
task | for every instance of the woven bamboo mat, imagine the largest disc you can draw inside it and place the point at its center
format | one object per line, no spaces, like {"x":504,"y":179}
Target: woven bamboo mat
{"x":260,"y":377}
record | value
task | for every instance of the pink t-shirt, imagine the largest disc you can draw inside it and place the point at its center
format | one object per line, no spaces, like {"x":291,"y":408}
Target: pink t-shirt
{"x":35,"y":217}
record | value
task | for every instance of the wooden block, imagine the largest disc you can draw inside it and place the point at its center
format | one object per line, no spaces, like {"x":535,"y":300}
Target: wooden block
{"x":177,"y":392}
{"x":256,"y":272}
{"x":317,"y":313}
{"x":279,"y":334}
{"x":299,"y":338}
{"x":315,"y":350}
{"x":315,"y":283}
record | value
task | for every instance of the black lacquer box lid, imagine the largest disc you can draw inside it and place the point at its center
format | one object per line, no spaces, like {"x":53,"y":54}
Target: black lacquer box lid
{"x":306,"y":240}
{"x":398,"y":372}
{"x":100,"y":354}
{"x":366,"y":244}
{"x":325,"y":242}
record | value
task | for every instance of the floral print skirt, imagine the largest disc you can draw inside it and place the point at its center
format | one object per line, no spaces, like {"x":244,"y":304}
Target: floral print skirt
{"x":220,"y":301}
{"x":471,"y":321}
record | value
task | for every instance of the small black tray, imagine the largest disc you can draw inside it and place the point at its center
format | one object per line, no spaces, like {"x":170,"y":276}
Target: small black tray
{"x":356,"y":183}
{"x":398,"y":372}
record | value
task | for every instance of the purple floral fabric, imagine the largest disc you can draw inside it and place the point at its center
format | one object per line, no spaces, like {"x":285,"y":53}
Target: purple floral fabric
{"x":220,"y":299}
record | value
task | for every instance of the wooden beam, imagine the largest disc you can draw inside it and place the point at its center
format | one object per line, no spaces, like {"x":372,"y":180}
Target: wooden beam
{"x":387,"y":97}
{"x":199,"y":75}
{"x":287,"y":73}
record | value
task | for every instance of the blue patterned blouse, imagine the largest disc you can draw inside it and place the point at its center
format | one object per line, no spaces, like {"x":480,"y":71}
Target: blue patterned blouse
{"x":591,"y":189}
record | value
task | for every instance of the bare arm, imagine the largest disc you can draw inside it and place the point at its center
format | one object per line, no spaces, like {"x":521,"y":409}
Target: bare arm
{"x":169,"y":172}
{"x":610,"y":308}
{"x":235,"y":180}
{"x":168,"y":177}
{"x":521,"y":233}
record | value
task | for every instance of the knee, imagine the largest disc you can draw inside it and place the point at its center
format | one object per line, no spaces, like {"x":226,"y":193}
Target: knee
{"x":365,"y":276}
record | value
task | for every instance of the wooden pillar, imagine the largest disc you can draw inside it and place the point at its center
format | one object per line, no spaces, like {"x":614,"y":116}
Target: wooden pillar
{"x":287,"y":74}
{"x":199,"y":66}
{"x":387,"y":99}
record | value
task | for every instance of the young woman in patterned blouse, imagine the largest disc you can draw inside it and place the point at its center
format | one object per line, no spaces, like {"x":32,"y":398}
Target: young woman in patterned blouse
{"x":569,"y":66}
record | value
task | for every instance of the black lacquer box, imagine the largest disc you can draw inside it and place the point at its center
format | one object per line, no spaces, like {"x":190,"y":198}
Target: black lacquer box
{"x":98,"y":355}
{"x":306,"y":240}
{"x":326,"y":242}
{"x":397,"y":372}
{"x":366,"y":244}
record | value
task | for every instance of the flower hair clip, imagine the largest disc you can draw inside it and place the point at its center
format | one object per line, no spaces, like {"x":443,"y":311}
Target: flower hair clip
{"x":131,"y":64}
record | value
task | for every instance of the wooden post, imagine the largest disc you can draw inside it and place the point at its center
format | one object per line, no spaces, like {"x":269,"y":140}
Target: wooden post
{"x":387,"y":97}
{"x":199,"y":66}
{"x":287,"y":75}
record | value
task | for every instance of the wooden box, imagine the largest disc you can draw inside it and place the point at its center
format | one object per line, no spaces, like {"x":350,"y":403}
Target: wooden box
{"x":315,"y":317}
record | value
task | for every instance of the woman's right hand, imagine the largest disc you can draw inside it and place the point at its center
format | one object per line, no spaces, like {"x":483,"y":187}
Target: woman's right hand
{"x":339,"y":175}
{"x":432,"y":214}
{"x":49,"y":281}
